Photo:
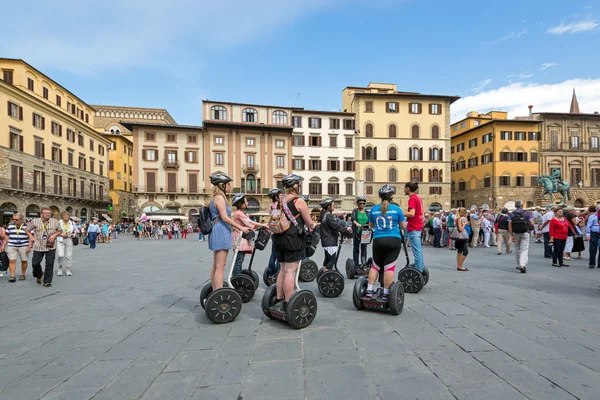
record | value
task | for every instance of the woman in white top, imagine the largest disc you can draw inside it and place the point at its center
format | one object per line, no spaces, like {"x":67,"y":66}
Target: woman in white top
{"x":64,"y":243}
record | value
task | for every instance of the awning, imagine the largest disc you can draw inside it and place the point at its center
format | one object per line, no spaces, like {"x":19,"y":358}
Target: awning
{"x":166,"y":217}
{"x":106,"y":217}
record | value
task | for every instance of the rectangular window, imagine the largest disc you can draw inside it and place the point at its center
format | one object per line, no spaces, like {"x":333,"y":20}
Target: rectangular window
{"x":506,"y":156}
{"x":58,"y":189}
{"x":349,"y":142}
{"x":452,"y":150}
{"x":150,"y":137}
{"x":171,"y":137}
{"x":314,"y":123}
{"x":369,"y":189}
{"x":576,"y":176}
{"x":473,"y":162}
{"x":39,"y":181}
{"x":414,"y":108}
{"x":505,"y":135}
{"x":70,"y":158}
{"x":80,"y":140}
{"x":519,"y":156}
{"x":594,"y":143}
{"x":218,"y":158}
{"x":191,"y":156}
{"x":39,"y":148}
{"x":349,"y":124}
{"x":170,"y":157}
{"x":56,"y":129}
{"x":333,"y":189}
{"x":534,"y":156}
{"x":314,"y":188}
{"x":16,"y":181}
{"x":315,"y":141}
{"x":250,"y":142}
{"x":435,"y":109}
{"x":473,"y":143}
{"x":298,"y":140}
{"x":334,"y":123}
{"x":73,"y":109}
{"x":332,"y":141}
{"x":574,"y":142}
{"x":151,"y":155}
{"x":595,"y":177}
{"x":391,"y":107}
{"x":349,"y":189}
{"x":218,"y":139}
{"x":487,"y":182}
{"x":505,"y":181}
{"x":82,"y":163}
{"x":462,"y":185}
{"x":7,"y":76}
{"x":315,"y":165}
{"x":280,"y":161}
{"x":460,"y":147}
{"x":56,"y":154}
{"x":30,"y":84}
{"x":279,"y":143}
{"x":298,"y":164}
{"x":45,"y":93}
{"x":333,"y":165}
{"x":476,"y":123}
{"x":486,"y":158}
{"x":16,"y":141}
{"x":297,"y":122}
{"x":91,"y":145}
{"x":58,"y":101}
{"x":192,"y":139}
{"x":101,"y":168}
{"x":15,"y":111}
{"x":193,"y":183}
{"x":486,"y":138}
{"x":39,"y":121}
{"x":368,"y":106}
{"x":348,"y":165}
{"x":533,"y":135}
{"x":520,"y":181}
{"x":435,"y":190}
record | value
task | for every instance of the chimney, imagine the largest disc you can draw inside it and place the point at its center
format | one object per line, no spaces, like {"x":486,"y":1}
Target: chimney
{"x":530,"y":111}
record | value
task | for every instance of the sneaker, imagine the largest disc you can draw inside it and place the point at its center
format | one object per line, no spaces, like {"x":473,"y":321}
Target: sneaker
{"x":592,"y":266}
{"x":371,"y":294}
{"x":385,"y":298}
{"x":279,"y":306}
{"x":487,"y":246}
{"x":69,"y":273}
{"x":1,"y":274}
{"x":59,"y":273}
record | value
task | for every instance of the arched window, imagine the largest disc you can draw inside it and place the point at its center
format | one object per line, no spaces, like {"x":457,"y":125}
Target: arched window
{"x":115,"y":130}
{"x":453,"y":186}
{"x":218,"y":113}
{"x":369,"y":130}
{"x":415,"y":131}
{"x":435,"y":175}
{"x":280,"y":117}
{"x":392,"y":131}
{"x":250,"y":115}
{"x":416,"y":154}
{"x":392,"y":154}
{"x":435,"y":154}
{"x":370,"y":153}
{"x":369,"y":175}
{"x":393,"y":175}
{"x":415,"y":175}
{"x":435,"y":132}
{"x":250,"y":184}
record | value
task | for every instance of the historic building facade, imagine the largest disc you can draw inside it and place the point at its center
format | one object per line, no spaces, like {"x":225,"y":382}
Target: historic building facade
{"x":107,"y":120}
{"x":50,"y":153}
{"x":167,"y":168}
{"x":323,"y":154}
{"x":494,"y":159}
{"x":570,"y":142}
{"x":249,"y":142}
{"x":400,"y":137}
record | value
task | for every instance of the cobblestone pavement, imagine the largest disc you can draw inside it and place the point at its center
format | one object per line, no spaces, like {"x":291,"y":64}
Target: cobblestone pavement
{"x":127,"y":325}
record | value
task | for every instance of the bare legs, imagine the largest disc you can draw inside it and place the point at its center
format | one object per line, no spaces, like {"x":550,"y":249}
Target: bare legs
{"x":218,"y":269}
{"x":388,"y":277}
{"x":286,"y":280}
{"x":460,"y":259}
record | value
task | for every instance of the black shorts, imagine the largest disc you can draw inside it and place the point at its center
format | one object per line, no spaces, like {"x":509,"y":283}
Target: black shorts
{"x":330,"y":259}
{"x":290,"y":257}
{"x":385,"y":252}
{"x":462,"y":247}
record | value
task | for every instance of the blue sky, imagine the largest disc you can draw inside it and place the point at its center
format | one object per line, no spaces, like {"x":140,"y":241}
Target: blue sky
{"x":147,"y":53}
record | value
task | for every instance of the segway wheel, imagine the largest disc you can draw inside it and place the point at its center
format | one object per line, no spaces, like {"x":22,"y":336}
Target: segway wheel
{"x":269,"y":280}
{"x":268,"y":300}
{"x":223,"y":305}
{"x":253,"y":275}
{"x":411,"y":279}
{"x":206,"y":290}
{"x":308,"y":270}
{"x":360,"y":290}
{"x":396,"y":304}
{"x":245,"y":286}
{"x":425,"y":276}
{"x":301,"y":309}
{"x":350,"y":269}
{"x":331,"y":283}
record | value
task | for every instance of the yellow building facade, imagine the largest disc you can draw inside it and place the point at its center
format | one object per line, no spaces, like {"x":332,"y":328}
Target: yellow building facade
{"x":401,"y":137}
{"x":50,"y":153}
{"x":495,"y":160}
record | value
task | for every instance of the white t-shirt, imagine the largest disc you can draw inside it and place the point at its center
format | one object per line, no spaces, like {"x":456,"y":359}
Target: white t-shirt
{"x":547,"y":217}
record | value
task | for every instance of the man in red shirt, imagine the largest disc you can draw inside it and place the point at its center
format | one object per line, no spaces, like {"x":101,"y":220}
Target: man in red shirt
{"x":414,"y":216}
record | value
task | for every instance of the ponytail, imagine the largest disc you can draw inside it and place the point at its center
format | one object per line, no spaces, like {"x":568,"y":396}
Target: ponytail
{"x":384,"y":206}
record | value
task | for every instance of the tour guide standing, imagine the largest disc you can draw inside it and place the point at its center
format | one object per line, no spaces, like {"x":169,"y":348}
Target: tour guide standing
{"x":45,"y":229}
{"x":360,"y":218}
{"x":519,"y":224}
{"x":92,"y":233}
{"x":592,"y":233}
{"x":414,"y":215}
{"x":18,"y":243}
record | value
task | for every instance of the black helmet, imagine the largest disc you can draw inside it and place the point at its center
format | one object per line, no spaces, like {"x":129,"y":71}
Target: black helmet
{"x":291,"y":180}
{"x":274,"y":194}
{"x":217,"y":179}
{"x":326,"y":202}
{"x":361,"y":199}
{"x":386,"y":192}
{"x":238,"y":198}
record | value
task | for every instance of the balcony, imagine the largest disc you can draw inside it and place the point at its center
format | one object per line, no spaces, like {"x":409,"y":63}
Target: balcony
{"x":250,"y":168}
{"x":566,"y":146}
{"x":169,"y":190}
{"x":22,"y":188}
{"x":171,"y":164}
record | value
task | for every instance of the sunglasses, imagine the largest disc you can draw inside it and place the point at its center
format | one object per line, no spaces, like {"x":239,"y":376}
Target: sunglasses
{"x":361,"y":204}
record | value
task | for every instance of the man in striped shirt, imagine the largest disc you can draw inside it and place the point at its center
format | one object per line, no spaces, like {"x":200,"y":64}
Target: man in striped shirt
{"x":18,"y":244}
{"x":45,"y":229}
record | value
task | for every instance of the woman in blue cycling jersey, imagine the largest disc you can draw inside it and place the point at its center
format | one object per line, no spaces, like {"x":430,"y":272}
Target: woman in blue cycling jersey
{"x":386,"y":219}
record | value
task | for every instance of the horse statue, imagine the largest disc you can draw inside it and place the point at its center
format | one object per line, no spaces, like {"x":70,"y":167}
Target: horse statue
{"x":561,"y":187}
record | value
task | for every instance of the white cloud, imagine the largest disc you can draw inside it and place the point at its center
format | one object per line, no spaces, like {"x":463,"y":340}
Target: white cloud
{"x":515,"y":98}
{"x":479,"y":86}
{"x":509,"y":36}
{"x":574,"y":27}
{"x":547,"y":65}
{"x":518,"y":77}
{"x":141,"y":33}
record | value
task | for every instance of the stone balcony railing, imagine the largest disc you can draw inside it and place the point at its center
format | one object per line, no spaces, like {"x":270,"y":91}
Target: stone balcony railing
{"x":50,"y":191}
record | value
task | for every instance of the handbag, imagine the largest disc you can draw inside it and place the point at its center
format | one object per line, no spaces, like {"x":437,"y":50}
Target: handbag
{"x":75,"y":241}
{"x":457,"y":234}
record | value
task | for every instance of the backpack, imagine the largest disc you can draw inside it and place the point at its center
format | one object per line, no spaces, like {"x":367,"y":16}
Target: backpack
{"x":205,"y":222}
{"x":519,"y":223}
{"x":279,"y":223}
{"x":312,"y":242}
{"x":262,"y":239}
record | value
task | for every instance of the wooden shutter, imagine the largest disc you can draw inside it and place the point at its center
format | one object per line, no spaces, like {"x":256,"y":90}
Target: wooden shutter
{"x":33,"y":119}
{"x":328,"y":165}
{"x":151,"y":181}
{"x":143,"y":156}
{"x":429,"y":177}
{"x":429,"y":108}
{"x":420,"y":108}
{"x":35,"y":180}
{"x":8,"y":107}
{"x":60,"y":130}
{"x":430,"y":154}
{"x":21,"y":148}
{"x":440,"y":175}
{"x":320,"y":142}
{"x":43,"y":123}
{"x":20,"y":113}
{"x":320,"y":165}
{"x":364,"y":153}
{"x":337,"y":165}
{"x":60,"y":155}
{"x":43,"y":149}
{"x":421,"y":175}
{"x":14,"y":175}
{"x":441,"y":153}
{"x":421,"y":154}
{"x":353,"y":165}
{"x":303,"y":164}
{"x":375,"y":153}
{"x":55,"y":184}
{"x":43,"y":182}
{"x":193,"y":183}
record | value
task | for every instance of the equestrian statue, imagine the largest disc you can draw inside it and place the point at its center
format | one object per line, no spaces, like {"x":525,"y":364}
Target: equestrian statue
{"x":553,"y":184}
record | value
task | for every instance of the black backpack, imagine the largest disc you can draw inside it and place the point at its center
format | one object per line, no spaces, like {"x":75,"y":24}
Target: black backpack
{"x":312,"y":242}
{"x":262,"y":239}
{"x":205,"y":222}
{"x":519,"y":223}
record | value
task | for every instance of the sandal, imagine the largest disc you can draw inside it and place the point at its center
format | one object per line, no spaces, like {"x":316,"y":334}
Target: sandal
{"x":47,"y":285}
{"x":523,"y":270}
{"x":12,"y":279}
{"x":39,"y":281}
{"x":22,"y":278}
{"x":462,"y":269}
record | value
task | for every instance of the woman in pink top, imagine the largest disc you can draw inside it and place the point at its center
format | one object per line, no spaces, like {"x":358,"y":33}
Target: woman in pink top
{"x":241,"y":218}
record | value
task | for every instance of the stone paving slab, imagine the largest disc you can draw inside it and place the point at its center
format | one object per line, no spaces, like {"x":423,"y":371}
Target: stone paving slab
{"x":127,"y":325}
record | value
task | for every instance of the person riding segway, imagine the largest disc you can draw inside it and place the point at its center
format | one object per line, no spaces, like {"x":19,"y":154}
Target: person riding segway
{"x":329,"y":280}
{"x":387,"y":220}
{"x":361,"y":238}
{"x":270,"y":273}
{"x":285,"y":301}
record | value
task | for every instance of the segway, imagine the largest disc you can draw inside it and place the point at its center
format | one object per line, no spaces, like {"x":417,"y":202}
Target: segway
{"x":269,"y":279}
{"x":352,"y":270}
{"x":331,"y":282}
{"x":301,"y":309}
{"x":259,"y":243}
{"x":308,"y":270}
{"x":394,"y":304}
{"x":224,"y":305}
{"x":411,"y":278}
